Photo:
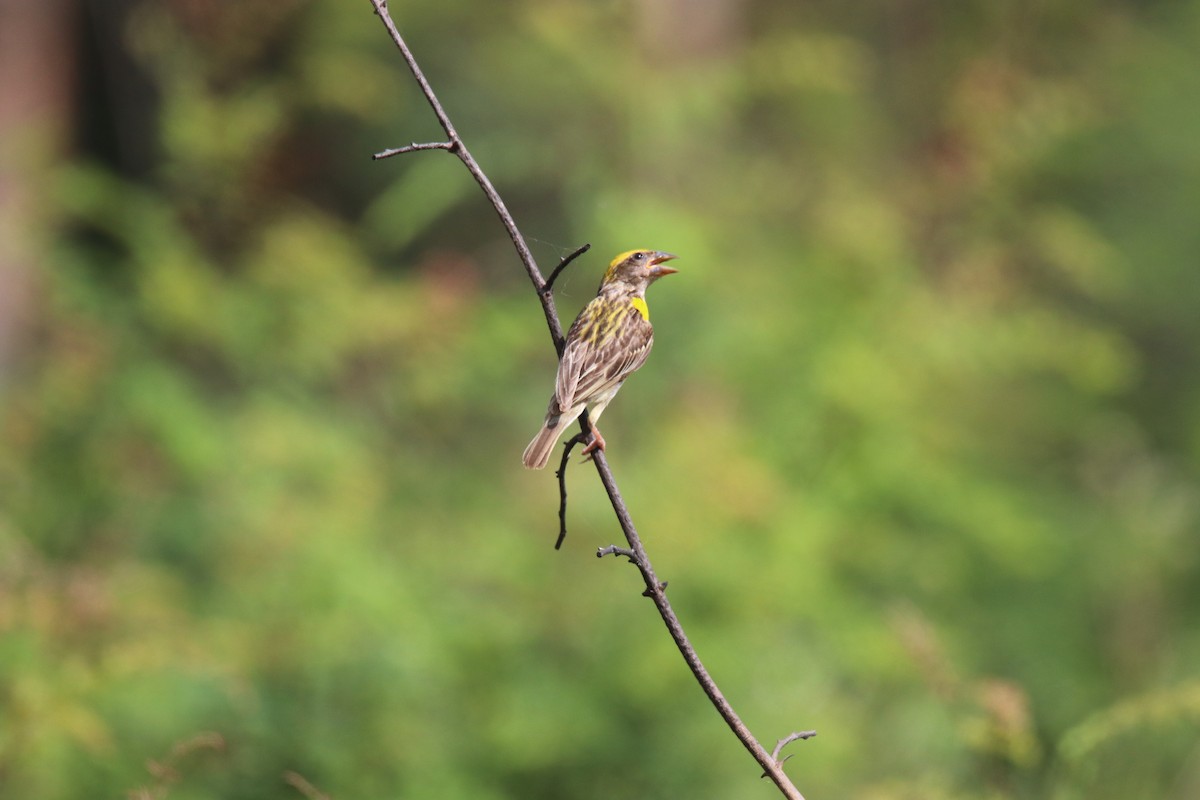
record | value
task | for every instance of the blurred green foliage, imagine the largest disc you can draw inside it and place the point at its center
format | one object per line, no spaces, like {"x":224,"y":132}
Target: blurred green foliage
{"x":918,"y":447}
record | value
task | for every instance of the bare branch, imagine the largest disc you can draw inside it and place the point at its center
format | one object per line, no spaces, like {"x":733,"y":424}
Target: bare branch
{"x":464,"y":155}
{"x":655,"y":589}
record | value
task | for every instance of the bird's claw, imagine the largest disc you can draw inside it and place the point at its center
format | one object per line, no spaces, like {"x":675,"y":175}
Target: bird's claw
{"x":597,"y":443}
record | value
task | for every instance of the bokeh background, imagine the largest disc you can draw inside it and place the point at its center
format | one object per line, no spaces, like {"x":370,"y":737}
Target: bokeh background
{"x":917,"y":448}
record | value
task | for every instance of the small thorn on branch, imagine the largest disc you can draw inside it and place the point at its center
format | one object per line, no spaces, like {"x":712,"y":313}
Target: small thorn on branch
{"x":412,"y":148}
{"x":548,"y":286}
{"x":613,"y":550}
{"x":662,"y":587}
{"x":561,"y":472}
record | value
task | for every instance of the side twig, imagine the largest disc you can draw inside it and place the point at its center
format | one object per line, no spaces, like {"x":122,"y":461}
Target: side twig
{"x":785,"y":741}
{"x":549,"y":287}
{"x":655,"y":590}
{"x":409,"y":148}
{"x":561,"y":474}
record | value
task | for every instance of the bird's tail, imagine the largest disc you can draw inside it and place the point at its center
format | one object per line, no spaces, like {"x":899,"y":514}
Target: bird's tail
{"x":538,"y":452}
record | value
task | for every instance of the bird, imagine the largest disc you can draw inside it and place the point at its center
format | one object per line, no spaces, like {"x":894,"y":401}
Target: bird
{"x":607,"y":342}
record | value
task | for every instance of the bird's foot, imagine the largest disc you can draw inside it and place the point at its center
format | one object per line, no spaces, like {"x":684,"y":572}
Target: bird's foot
{"x":597,"y":443}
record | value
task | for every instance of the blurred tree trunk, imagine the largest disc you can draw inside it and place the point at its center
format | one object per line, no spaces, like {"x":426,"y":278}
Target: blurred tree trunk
{"x":37,"y":47}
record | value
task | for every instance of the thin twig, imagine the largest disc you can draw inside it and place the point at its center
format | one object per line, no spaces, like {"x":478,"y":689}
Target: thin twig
{"x":654,"y":589}
{"x":411,"y":148}
{"x":561,"y":473}
{"x":549,"y":287}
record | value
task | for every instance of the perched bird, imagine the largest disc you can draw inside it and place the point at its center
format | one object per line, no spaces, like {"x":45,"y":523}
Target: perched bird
{"x":607,"y":343}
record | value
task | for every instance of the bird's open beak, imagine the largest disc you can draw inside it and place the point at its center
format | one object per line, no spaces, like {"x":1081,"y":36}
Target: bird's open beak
{"x":657,"y":269}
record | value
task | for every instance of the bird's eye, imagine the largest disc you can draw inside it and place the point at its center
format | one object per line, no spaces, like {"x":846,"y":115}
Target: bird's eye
{"x":639,"y":256}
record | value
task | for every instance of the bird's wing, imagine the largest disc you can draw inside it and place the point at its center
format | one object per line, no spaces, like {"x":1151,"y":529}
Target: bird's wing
{"x":594,"y":364}
{"x":568,"y":375}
